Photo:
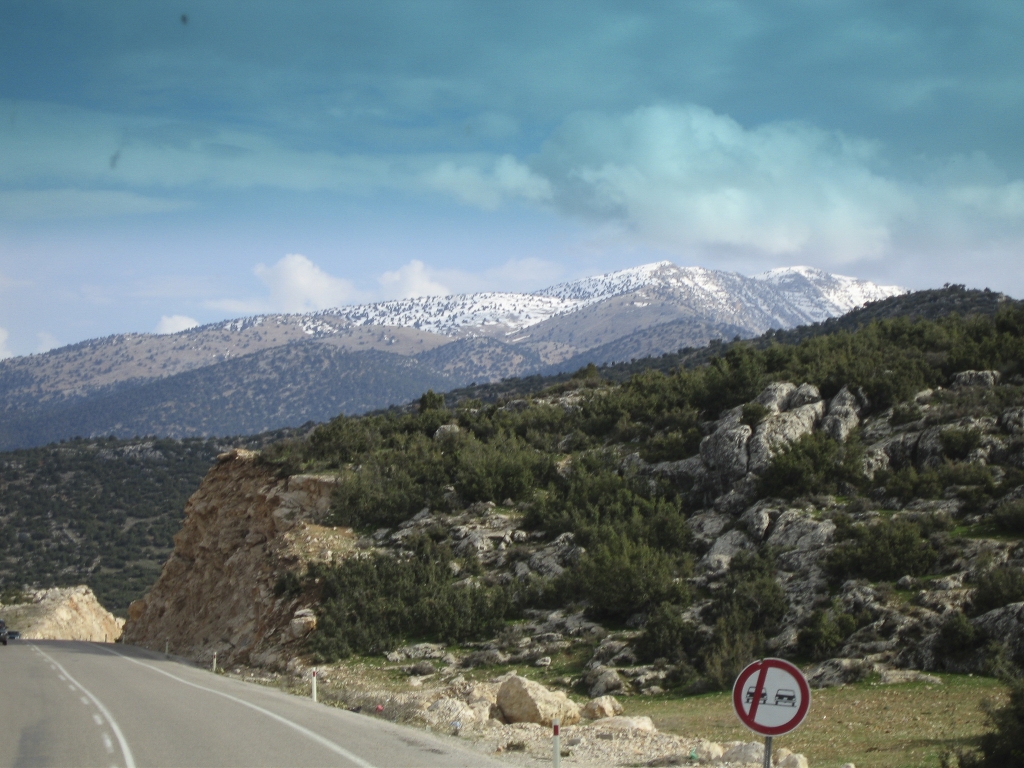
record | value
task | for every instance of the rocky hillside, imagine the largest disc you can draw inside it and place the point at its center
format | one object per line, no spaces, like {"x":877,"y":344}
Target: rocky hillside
{"x":853,"y":502}
{"x":266,"y":372}
{"x":72,"y":613}
{"x":99,"y":512}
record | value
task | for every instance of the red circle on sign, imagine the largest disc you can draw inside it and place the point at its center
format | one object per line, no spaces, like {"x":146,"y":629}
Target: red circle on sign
{"x":757,"y":694}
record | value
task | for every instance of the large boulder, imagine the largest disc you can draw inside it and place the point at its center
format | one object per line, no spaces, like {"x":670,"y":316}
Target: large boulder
{"x":1012,"y":420}
{"x":777,"y":396}
{"x":832,"y":673}
{"x":524,"y":701}
{"x":805,"y":394}
{"x":449,"y":712}
{"x":976,"y":379}
{"x":779,"y":430}
{"x":707,"y":526}
{"x":725,"y":548}
{"x":1005,"y":625}
{"x":743,"y":754}
{"x":602,"y":707}
{"x":796,"y":529}
{"x":842,"y":416}
{"x":603,"y":680}
{"x":725,"y":450}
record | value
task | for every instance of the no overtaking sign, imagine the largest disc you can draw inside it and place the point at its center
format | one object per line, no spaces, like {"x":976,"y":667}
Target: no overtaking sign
{"x":771,"y":697}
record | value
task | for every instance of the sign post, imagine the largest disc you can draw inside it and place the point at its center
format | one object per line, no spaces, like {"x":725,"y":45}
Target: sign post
{"x":771,"y":697}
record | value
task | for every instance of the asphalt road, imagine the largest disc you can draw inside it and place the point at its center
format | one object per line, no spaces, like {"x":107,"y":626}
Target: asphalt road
{"x":89,"y":704}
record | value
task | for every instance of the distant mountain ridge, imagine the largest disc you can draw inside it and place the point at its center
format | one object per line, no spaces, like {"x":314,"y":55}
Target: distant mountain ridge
{"x":254,"y":372}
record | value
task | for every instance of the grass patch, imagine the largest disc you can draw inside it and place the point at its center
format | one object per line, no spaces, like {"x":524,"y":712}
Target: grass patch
{"x":868,"y":724}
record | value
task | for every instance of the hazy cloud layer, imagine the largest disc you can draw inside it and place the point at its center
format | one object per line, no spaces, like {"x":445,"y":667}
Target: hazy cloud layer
{"x":687,"y":178}
{"x":5,"y":351}
{"x":411,"y":147}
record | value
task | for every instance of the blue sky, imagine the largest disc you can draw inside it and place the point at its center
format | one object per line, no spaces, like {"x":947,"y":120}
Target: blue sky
{"x":282,"y":157}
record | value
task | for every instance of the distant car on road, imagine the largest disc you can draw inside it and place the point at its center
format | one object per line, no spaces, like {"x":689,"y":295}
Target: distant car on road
{"x":13,"y":634}
{"x":3,"y":632}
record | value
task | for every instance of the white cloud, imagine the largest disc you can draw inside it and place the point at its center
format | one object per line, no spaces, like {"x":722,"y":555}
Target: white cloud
{"x":419,"y":279}
{"x":47,"y":341}
{"x":5,"y":351}
{"x":175,"y":323}
{"x":296,"y":284}
{"x":488,"y":184}
{"x":411,"y":280}
{"x":688,"y":178}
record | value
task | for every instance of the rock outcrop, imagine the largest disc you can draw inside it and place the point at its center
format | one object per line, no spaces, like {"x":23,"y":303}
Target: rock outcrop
{"x":524,"y":701}
{"x":244,"y":528}
{"x":70,"y":613}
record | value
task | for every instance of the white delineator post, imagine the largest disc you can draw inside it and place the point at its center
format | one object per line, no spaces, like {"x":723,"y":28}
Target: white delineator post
{"x":167,"y":648}
{"x":214,"y":661}
{"x":556,"y":755}
{"x":314,"y":685}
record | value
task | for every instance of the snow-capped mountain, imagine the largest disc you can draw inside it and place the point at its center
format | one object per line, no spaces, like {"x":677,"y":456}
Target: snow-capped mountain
{"x":780,"y":298}
{"x":367,"y":356}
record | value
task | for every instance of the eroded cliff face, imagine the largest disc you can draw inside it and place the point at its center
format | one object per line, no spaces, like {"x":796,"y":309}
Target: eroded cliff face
{"x":68,"y":613}
{"x":244,"y":528}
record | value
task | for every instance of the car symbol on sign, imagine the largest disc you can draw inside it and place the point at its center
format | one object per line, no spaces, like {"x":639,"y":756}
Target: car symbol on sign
{"x":785,"y":696}
{"x":750,"y":695}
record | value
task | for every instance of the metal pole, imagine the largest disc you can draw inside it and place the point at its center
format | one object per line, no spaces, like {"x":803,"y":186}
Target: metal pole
{"x":767,"y":752}
{"x":314,"y":686}
{"x":556,"y":755}
{"x":214,"y":661}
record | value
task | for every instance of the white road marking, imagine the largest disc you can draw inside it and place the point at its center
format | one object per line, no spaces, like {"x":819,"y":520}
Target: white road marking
{"x":126,"y":752}
{"x":84,"y":700}
{"x":312,"y":735}
{"x":53,"y":667}
{"x":108,"y":743}
{"x":72,"y":688}
{"x":62,"y":677}
{"x":97,"y":719}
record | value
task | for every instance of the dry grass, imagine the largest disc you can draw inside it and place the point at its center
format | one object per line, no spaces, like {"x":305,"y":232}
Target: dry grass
{"x":868,"y":724}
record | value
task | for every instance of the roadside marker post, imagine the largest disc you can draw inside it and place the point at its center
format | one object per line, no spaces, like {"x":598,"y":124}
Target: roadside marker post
{"x":167,"y":649}
{"x":556,"y":755}
{"x":771,"y":697}
{"x":314,"y":686}
{"x":215,"y":662}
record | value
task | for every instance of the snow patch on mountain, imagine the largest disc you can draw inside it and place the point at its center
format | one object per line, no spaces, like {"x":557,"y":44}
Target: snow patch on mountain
{"x":779,"y":298}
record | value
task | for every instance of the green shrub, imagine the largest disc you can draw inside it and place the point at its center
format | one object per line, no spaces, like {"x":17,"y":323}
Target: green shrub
{"x":754,"y":413}
{"x":824,"y":633}
{"x":288,"y":583}
{"x":958,"y":443}
{"x":431,"y":401}
{"x":996,"y":588}
{"x":1003,"y":746}
{"x":1009,"y":516}
{"x":815,"y":463}
{"x":884,"y":551}
{"x":958,"y":637}
{"x":905,"y":413}
{"x":907,"y":483}
{"x":371,"y":605}
{"x":619,"y":577}
{"x":668,"y":636}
